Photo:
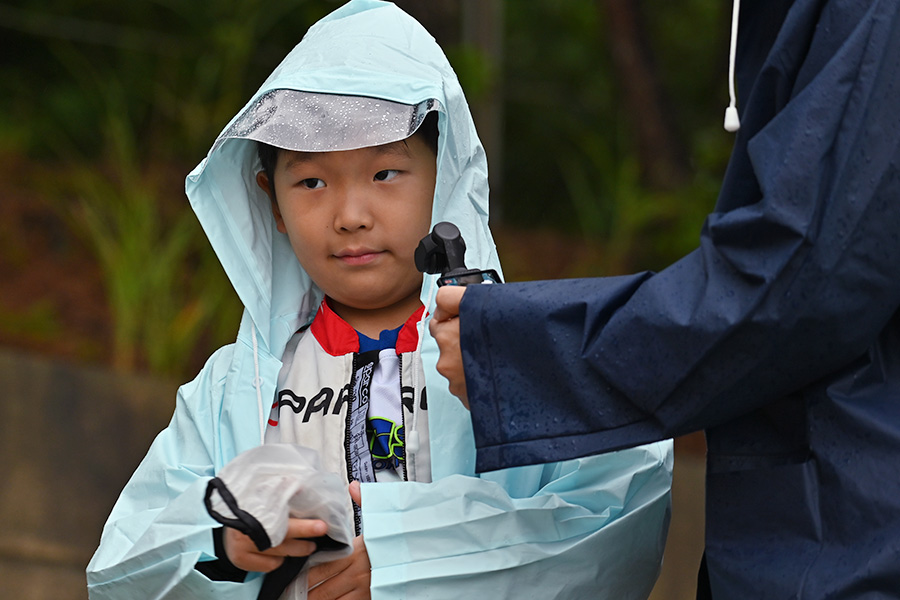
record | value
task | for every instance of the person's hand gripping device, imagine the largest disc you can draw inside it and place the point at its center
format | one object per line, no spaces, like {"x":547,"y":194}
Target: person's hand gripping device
{"x":443,"y":251}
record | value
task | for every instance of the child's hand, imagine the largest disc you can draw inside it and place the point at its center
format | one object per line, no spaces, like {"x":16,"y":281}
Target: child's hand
{"x":444,"y":329}
{"x":243,"y":554}
{"x":355,"y":489}
{"x":347,"y":578}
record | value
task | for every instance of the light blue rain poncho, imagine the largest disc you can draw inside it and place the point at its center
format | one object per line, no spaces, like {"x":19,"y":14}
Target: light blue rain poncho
{"x":587,"y":528}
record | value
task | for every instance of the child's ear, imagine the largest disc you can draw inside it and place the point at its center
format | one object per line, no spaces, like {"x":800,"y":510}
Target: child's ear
{"x":262,"y":180}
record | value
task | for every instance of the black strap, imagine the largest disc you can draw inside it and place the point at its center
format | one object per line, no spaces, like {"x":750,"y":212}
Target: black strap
{"x":221,"y":569}
{"x":244,"y":521}
{"x":277,"y":581}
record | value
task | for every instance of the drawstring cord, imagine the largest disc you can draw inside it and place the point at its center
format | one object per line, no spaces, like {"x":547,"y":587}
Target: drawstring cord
{"x":732,"y":122}
{"x":412,"y":437}
{"x":257,"y":383}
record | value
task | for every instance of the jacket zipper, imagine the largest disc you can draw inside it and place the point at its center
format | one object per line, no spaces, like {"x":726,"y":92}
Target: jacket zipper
{"x":357,"y":516}
{"x":403,"y":416}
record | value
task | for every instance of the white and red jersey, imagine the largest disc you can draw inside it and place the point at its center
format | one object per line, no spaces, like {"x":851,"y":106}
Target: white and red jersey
{"x":327,"y":389}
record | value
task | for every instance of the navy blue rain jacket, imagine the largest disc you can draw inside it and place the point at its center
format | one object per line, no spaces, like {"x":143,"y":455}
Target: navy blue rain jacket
{"x":779,"y":335}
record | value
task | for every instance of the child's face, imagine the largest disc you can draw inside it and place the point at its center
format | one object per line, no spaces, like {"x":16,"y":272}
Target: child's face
{"x":354,"y":219}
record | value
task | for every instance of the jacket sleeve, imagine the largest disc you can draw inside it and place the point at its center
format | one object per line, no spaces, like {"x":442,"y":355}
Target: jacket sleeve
{"x":794,"y":278}
{"x":158,"y":530}
{"x":589,"y":528}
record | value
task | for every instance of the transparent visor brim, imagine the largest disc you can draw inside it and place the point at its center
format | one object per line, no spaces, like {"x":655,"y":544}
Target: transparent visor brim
{"x":311,"y":122}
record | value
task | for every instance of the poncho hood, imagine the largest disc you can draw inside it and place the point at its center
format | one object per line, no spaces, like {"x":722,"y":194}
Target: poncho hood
{"x":401,"y":62}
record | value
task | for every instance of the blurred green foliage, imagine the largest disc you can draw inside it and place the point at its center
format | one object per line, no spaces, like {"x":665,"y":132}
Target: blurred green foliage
{"x":127,"y":97}
{"x":571,"y":157}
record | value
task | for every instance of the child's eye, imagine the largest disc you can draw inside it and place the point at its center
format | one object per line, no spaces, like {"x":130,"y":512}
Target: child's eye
{"x":386,"y":175}
{"x":312,"y":183}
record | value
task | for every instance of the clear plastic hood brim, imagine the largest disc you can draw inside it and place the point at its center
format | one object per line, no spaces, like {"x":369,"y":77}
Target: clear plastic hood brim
{"x":313,"y":122}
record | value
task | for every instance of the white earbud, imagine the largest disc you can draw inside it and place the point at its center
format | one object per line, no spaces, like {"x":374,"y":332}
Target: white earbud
{"x":732,"y":121}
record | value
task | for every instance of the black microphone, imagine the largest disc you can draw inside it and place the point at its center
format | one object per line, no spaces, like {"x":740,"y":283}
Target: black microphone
{"x":443,"y":251}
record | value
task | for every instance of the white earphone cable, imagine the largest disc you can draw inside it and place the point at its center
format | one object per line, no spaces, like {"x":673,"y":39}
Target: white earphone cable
{"x":732,"y":121}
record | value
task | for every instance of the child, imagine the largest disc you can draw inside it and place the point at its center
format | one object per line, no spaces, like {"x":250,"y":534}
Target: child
{"x":316,"y":227}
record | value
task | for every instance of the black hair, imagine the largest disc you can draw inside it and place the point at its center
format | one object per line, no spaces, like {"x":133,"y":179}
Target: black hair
{"x":268,"y":154}
{"x":429,"y":131}
{"x":268,"y":157}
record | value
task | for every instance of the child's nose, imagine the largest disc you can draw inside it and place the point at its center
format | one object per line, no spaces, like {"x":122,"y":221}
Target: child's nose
{"x":354,"y":211}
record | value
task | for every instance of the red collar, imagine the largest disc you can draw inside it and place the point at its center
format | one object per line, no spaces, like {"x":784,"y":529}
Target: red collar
{"x":337,"y":337}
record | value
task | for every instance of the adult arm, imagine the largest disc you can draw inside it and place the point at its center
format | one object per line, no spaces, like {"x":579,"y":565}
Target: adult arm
{"x":794,"y":278}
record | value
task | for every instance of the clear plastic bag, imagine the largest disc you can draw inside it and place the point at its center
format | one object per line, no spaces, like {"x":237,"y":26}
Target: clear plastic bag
{"x":258,"y":491}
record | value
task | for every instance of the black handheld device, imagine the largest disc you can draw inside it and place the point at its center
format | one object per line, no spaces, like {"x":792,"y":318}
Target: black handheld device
{"x":443,"y":251}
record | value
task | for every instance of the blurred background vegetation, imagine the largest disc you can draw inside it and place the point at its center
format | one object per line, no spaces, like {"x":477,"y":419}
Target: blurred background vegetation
{"x":602,"y":121}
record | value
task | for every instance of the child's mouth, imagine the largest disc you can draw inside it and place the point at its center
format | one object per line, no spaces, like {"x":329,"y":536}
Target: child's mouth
{"x":358,"y":257}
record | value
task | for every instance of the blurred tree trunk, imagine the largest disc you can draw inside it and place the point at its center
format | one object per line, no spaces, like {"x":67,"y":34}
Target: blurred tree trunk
{"x":477,"y":24}
{"x":440,"y":17}
{"x":482,"y":28}
{"x":663,"y":160}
